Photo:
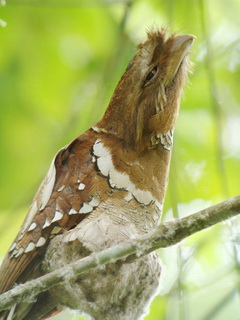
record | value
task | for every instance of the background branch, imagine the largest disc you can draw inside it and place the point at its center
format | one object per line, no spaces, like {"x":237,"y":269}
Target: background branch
{"x":167,"y":234}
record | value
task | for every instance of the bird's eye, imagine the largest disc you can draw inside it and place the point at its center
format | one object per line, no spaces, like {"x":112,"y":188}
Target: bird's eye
{"x":151,"y":73}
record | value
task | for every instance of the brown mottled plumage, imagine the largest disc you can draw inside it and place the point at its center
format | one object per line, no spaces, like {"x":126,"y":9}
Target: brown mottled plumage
{"x":106,"y":186}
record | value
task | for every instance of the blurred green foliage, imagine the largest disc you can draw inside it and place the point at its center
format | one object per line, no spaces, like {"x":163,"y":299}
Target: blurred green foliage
{"x":59,"y":63}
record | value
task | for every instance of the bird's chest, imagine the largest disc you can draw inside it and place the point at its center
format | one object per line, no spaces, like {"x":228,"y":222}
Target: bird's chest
{"x":131,"y":191}
{"x":139,"y":177}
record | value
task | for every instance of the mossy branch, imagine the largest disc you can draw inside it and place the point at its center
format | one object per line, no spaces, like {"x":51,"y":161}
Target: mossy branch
{"x":165,"y":235}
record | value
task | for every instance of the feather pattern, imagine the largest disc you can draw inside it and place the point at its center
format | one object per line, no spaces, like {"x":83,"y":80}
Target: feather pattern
{"x":106,"y":186}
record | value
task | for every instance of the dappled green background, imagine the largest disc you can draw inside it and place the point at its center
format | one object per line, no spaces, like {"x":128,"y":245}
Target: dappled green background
{"x":59,"y":63}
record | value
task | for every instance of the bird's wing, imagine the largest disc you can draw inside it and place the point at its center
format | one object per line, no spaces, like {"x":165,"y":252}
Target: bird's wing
{"x":66,"y":196}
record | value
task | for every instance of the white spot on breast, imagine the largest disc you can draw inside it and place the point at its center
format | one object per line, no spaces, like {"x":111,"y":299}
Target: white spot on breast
{"x":81,"y":186}
{"x":104,"y":164}
{"x":13,"y":246}
{"x":58,"y":216}
{"x":99,"y":149}
{"x":86,"y":208}
{"x":46,"y":224}
{"x":93,"y":159}
{"x":122,"y":181}
{"x":104,"y":158}
{"x":32,"y":226}
{"x":30,"y":247}
{"x":72,"y":211}
{"x":41,"y":242}
{"x":128,"y":197}
{"x":94,"y":202}
{"x":143,"y":196}
{"x":118,"y":179}
{"x":112,"y":184}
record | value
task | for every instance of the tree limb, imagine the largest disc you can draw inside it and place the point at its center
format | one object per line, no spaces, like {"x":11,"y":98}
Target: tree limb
{"x":165,"y":235}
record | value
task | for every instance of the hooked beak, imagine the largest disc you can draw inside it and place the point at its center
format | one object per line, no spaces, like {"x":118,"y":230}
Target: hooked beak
{"x":179,"y":50}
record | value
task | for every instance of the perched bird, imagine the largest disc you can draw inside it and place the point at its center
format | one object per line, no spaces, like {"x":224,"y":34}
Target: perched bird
{"x":106,"y":186}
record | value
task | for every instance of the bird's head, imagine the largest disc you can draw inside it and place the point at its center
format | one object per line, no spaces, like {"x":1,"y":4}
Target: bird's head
{"x":146,"y":101}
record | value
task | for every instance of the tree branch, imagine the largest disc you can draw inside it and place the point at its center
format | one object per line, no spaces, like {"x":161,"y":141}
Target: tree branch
{"x":165,"y":235}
